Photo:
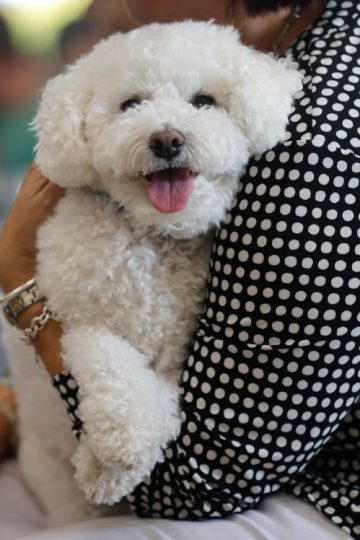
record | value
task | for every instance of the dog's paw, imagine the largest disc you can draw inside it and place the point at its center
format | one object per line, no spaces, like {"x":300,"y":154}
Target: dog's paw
{"x":126,"y":449}
{"x":103,"y":483}
{"x":90,"y":477}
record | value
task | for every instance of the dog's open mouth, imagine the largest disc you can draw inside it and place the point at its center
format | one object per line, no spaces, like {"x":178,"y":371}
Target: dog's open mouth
{"x":170,"y":189}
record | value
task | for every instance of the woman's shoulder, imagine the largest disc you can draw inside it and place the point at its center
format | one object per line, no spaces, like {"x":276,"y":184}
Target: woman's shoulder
{"x":328,"y":107}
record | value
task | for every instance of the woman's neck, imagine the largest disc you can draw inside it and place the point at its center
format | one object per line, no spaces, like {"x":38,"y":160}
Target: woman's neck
{"x":260,"y":31}
{"x":147,"y":11}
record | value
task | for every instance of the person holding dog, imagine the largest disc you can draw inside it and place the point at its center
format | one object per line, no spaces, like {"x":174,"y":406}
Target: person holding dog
{"x":285,"y":278}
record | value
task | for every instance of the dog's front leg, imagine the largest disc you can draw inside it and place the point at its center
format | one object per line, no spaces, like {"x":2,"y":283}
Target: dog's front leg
{"x":129,"y":412}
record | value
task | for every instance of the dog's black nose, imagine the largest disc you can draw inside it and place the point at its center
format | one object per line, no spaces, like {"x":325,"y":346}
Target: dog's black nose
{"x":166,"y":144}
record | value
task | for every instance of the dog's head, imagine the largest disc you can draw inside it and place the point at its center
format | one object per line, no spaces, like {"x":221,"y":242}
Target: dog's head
{"x":163,"y":119}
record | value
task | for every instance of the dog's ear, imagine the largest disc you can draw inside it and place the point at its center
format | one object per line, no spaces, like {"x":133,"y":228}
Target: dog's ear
{"x":61,"y":151}
{"x":262,"y":97}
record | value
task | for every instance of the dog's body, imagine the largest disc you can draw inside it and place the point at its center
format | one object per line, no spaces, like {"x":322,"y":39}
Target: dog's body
{"x":137,"y":301}
{"x":153,"y":156}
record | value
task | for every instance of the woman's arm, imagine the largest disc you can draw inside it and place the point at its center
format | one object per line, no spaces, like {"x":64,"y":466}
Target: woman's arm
{"x":33,"y":205}
{"x":7,"y":410}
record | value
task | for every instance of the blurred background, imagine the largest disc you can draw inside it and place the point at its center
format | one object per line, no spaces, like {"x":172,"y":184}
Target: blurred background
{"x":37,"y":39}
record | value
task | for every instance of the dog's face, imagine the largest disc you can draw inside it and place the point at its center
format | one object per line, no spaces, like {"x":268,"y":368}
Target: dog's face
{"x":164,"y":119}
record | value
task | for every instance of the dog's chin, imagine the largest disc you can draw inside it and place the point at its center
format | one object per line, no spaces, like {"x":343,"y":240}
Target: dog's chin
{"x":184,"y":224}
{"x":199,"y":205}
{"x":166,"y":202}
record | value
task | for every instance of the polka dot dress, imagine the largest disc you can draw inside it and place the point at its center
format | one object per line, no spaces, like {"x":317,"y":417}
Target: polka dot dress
{"x":271,"y":385}
{"x":68,"y":389}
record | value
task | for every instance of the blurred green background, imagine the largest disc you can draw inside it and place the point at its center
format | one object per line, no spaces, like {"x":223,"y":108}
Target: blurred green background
{"x":34,"y":35}
{"x":38,"y":38}
{"x":36,"y":24}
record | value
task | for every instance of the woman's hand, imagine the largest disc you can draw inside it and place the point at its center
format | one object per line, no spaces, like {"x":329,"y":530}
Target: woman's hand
{"x":34,"y":204}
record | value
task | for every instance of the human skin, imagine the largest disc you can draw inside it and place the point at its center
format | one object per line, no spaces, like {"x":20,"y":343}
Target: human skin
{"x":38,"y":196}
{"x":34,"y":203}
{"x":7,"y":396}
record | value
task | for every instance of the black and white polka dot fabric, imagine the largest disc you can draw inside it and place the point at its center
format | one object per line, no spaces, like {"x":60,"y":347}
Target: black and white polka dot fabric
{"x":68,"y":389}
{"x":271,"y":385}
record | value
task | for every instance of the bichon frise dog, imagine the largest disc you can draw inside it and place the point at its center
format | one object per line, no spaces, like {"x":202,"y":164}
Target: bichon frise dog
{"x":150,"y":133}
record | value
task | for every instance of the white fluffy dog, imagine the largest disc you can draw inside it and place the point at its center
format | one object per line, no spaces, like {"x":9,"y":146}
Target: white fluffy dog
{"x":149,"y":133}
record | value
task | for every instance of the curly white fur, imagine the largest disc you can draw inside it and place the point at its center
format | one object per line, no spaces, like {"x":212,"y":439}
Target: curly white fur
{"x":127,"y":280}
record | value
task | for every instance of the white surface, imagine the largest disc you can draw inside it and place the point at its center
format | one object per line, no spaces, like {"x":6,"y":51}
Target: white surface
{"x":280,"y":517}
{"x":19,"y":512}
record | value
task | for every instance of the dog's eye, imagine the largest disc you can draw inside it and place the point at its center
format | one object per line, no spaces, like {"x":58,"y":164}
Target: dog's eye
{"x":130,"y":104}
{"x":202,"y":100}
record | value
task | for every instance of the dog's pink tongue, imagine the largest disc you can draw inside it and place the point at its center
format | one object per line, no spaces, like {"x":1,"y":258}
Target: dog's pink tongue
{"x":170,"y":189}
